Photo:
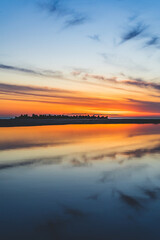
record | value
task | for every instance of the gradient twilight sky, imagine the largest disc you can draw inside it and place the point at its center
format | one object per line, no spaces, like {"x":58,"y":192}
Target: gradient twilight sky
{"x":80,"y":56}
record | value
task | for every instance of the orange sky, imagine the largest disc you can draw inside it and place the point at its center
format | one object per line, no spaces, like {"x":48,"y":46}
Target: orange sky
{"x":94,"y":65}
{"x":70,"y":95}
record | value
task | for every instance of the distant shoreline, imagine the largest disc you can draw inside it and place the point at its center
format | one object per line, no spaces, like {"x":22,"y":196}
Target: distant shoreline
{"x":43,"y":122}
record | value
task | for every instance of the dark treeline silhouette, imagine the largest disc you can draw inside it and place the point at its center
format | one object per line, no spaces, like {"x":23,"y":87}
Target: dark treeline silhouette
{"x":44,"y":116}
{"x":45,"y":119}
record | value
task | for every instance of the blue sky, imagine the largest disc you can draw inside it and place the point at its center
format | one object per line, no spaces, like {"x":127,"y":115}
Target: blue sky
{"x":31,"y":35}
{"x":111,"y":39}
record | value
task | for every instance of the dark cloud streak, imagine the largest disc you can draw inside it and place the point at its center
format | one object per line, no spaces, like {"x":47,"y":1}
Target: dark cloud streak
{"x":131,"y":201}
{"x":134,"y":32}
{"x":153,"y":41}
{"x":137,"y":82}
{"x":76,"y":20}
{"x":31,"y":162}
{"x":70,"y":16}
{"x":60,"y":96}
{"x":35,"y":72}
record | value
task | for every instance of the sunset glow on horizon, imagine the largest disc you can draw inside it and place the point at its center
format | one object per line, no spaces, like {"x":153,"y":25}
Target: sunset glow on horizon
{"x":77,"y":57}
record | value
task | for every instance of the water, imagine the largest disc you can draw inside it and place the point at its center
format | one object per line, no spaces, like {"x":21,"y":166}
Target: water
{"x":79,"y":182}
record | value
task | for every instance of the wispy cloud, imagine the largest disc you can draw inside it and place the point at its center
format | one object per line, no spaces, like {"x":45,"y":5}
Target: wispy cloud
{"x":49,"y":95}
{"x":54,"y":7}
{"x":72,"y":98}
{"x":133,"y":17}
{"x":52,"y":95}
{"x":125,"y":155}
{"x":146,"y":106}
{"x":115,"y":174}
{"x":138,"y":31}
{"x":31,"y":162}
{"x":80,"y":163}
{"x":30,"y":90}
{"x":137,"y":82}
{"x":134,"y":32}
{"x":82,"y":73}
{"x":36,"y":72}
{"x":142,"y":83}
{"x":27,"y":144}
{"x":141,"y":152}
{"x":150,"y":193}
{"x":95,"y":37}
{"x":70,"y":16}
{"x":153,"y":41}
{"x":75,"y":20}
{"x":131,"y":201}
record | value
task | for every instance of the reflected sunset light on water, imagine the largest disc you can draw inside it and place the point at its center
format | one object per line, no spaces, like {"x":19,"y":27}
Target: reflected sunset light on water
{"x":80,"y":182}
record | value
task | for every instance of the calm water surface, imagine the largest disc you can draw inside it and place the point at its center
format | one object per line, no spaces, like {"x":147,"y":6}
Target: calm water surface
{"x":91,"y":182}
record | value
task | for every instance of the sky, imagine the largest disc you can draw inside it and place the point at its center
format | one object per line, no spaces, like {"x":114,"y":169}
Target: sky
{"x":80,"y":57}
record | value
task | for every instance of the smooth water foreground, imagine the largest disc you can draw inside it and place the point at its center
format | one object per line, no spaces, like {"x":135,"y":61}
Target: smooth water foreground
{"x":75,"y":182}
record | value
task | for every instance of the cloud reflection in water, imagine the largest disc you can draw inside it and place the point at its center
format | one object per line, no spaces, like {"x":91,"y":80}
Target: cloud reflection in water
{"x":80,"y":182}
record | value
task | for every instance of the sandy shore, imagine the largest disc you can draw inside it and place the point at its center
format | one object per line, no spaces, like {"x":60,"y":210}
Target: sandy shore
{"x":41,"y":122}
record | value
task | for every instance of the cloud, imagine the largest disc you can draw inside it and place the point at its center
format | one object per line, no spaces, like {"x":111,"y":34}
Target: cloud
{"x":23,"y":143}
{"x":146,"y":106}
{"x":134,"y":32}
{"x":79,"y":72}
{"x":133,"y":17}
{"x":31,"y":162}
{"x":131,"y":201}
{"x":54,"y":7}
{"x":36,"y":72}
{"x":75,"y":20}
{"x":23,"y":92}
{"x":47,"y":95}
{"x":107,"y":176}
{"x":25,"y":70}
{"x":125,"y":155}
{"x":137,"y":82}
{"x":139,"y":153}
{"x":50,"y":95}
{"x":24,"y":88}
{"x":101,"y":78}
{"x":70,"y":16}
{"x":142,"y":83}
{"x":83,"y":73}
{"x":153,"y":41}
{"x":150,"y":193}
{"x":117,"y":173}
{"x":95,"y":37}
{"x":9,"y":145}
{"x":137,"y":31}
{"x":80,"y":163}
